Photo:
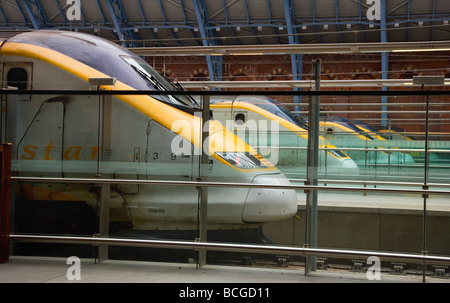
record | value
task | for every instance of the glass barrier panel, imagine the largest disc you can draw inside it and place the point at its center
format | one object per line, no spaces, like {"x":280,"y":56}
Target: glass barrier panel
{"x":150,"y":167}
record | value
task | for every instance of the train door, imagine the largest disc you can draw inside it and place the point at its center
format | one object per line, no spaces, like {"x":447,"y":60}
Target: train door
{"x":37,"y":137}
{"x":81,"y":128}
{"x":163,"y":157}
{"x":166,"y":204}
{"x":33,"y":127}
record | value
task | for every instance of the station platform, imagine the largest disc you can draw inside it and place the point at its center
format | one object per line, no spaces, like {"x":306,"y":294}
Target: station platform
{"x":55,"y":270}
{"x":352,"y":205}
{"x":370,"y":202}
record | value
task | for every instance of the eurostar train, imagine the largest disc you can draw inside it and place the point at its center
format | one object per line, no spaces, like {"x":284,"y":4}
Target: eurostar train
{"x":399,"y":135}
{"x":403,"y":157}
{"x":345,"y":133}
{"x":280,"y":136}
{"x":141,"y":137}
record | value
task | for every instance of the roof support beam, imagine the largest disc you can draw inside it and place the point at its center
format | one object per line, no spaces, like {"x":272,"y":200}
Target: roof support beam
{"x":163,"y":13}
{"x":249,"y":21}
{"x":119,"y":18}
{"x":319,"y":39}
{"x":4,"y":17}
{"x":269,"y":11}
{"x":141,"y":9}
{"x":296,"y":59}
{"x":409,"y":15}
{"x":337,"y":19}
{"x":115,"y":19}
{"x":360,"y":20}
{"x":184,"y":10}
{"x":101,"y":12}
{"x":35,"y":20}
{"x":214,"y":62}
{"x":434,"y":14}
{"x":224,"y":9}
{"x":384,"y":58}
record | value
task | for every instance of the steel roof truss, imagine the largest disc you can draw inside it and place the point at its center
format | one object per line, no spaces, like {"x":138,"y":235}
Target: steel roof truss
{"x":214,"y":62}
{"x":41,"y":18}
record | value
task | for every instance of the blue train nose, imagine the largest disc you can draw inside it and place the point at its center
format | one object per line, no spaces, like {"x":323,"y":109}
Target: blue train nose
{"x":265,"y":204}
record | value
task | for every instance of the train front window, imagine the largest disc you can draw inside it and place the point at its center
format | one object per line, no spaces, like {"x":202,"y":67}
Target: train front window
{"x":281,"y":111}
{"x":158,"y":81}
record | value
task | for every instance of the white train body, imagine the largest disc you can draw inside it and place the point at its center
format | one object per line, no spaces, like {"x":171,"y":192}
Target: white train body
{"x":124,"y":137}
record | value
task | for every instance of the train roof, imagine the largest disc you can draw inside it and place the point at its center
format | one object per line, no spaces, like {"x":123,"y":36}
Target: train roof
{"x":105,"y":56}
{"x":350,"y":125}
{"x":267,"y":104}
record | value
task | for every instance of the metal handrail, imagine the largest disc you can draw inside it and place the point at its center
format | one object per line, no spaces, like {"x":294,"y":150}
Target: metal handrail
{"x":379,"y":149}
{"x":267,"y":249}
{"x":229,"y":184}
{"x":367,"y":182}
{"x":230,"y":93}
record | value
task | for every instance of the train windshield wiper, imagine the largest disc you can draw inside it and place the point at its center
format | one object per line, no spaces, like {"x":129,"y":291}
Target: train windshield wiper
{"x":179,"y":87}
{"x":156,"y":84}
{"x":149,"y":78}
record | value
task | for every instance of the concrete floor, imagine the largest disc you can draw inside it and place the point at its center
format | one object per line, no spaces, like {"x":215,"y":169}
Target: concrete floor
{"x":56,"y":270}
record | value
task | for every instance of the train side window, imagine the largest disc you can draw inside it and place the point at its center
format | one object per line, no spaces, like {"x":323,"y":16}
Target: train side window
{"x":239,"y":118}
{"x":17,"y":77}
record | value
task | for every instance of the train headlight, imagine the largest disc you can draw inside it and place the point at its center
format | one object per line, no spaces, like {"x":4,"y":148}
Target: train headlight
{"x":244,"y":160}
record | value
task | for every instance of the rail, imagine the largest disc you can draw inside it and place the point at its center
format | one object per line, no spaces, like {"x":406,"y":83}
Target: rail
{"x":374,"y":183}
{"x":365,"y":149}
{"x":244,"y":248}
{"x":229,"y":184}
{"x":113,"y":92}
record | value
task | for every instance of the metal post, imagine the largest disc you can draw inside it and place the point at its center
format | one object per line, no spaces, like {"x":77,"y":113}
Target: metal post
{"x":5,"y":200}
{"x":105,"y":101}
{"x":312,"y":169}
{"x":103,"y":139}
{"x":105,"y":196}
{"x":203,"y":207}
{"x":426,"y":80}
{"x":425,"y":186}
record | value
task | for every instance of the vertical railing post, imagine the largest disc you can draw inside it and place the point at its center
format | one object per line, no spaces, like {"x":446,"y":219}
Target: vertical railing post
{"x":428,"y":81}
{"x":5,"y":201}
{"x":203,"y":209}
{"x":312,"y":169}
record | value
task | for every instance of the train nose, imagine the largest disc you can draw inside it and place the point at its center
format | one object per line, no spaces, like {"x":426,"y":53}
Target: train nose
{"x":349,"y":167}
{"x":264,"y":204}
{"x":406,"y":158}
